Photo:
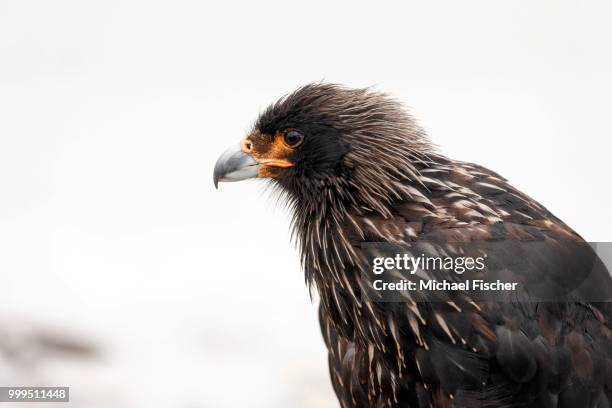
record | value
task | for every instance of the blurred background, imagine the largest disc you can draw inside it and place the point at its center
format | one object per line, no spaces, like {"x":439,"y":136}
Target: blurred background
{"x":127,"y":277}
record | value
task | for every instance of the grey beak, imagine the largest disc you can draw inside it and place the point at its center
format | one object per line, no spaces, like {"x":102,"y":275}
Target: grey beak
{"x":234,"y":165}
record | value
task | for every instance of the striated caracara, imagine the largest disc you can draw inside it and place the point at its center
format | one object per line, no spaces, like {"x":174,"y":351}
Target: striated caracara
{"x":356,"y":169}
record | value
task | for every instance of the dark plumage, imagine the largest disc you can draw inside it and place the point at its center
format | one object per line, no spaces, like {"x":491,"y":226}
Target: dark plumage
{"x":358,"y":169}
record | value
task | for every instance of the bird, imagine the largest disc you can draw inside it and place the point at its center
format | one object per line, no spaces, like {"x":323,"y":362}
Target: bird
{"x":357,"y":171}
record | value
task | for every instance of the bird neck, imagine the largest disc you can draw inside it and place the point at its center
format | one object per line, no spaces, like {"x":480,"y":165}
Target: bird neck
{"x":329,"y":220}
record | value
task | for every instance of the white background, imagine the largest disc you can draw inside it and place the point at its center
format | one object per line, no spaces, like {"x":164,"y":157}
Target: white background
{"x":112,"y":114}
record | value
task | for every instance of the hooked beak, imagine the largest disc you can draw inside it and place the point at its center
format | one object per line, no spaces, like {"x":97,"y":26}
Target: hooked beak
{"x":235,"y":165}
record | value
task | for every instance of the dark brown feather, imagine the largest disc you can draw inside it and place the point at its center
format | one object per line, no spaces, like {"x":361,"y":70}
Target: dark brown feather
{"x":390,"y":185}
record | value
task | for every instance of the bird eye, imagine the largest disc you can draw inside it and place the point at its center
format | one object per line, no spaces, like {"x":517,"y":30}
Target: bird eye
{"x":293,"y":138}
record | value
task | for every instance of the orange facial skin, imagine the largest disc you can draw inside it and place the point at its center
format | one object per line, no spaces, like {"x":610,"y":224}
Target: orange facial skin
{"x":271,"y":152}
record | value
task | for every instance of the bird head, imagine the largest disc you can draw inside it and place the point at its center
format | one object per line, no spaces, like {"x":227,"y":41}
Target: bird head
{"x":328,"y":136}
